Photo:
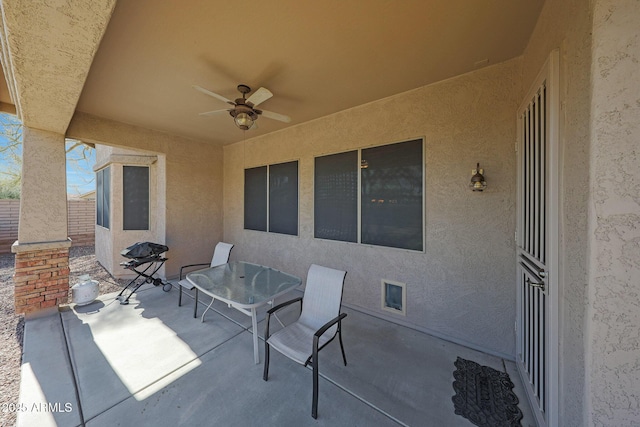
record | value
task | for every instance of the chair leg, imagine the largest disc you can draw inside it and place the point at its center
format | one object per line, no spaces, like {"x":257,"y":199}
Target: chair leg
{"x":314,"y":405}
{"x":314,"y":358}
{"x":179,"y":295}
{"x":265,"y":375}
{"x":344,"y":358}
{"x":195,"y":307}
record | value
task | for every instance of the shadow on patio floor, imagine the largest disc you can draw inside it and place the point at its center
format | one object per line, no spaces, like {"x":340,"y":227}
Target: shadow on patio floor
{"x":152,"y":363}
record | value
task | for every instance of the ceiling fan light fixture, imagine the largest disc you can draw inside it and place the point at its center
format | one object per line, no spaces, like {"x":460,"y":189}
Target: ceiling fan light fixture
{"x":244,"y":112}
{"x":243,"y":121}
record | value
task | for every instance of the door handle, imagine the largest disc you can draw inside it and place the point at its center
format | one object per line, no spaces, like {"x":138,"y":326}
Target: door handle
{"x":530,"y":264}
{"x":539,"y":285}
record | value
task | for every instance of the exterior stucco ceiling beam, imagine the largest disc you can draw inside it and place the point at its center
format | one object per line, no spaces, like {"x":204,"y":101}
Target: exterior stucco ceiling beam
{"x":97,"y":130}
{"x":47,"y":51}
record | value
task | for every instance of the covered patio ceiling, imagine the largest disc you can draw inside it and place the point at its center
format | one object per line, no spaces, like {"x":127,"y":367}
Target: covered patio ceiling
{"x":317,"y":58}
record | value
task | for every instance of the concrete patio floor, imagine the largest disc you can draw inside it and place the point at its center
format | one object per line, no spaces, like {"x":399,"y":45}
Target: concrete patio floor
{"x":152,"y":363}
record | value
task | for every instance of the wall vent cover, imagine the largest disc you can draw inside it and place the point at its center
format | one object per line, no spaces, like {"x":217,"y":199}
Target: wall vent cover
{"x":394,"y":297}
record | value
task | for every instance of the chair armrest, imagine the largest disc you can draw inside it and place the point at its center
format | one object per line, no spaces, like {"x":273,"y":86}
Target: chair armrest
{"x":316,"y":338}
{"x":273,"y":310}
{"x":191,"y":265}
{"x":284,"y":304}
{"x":329,"y":324}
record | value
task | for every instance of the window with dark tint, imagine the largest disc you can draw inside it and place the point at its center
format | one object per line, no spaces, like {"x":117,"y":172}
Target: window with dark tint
{"x":135,"y":193}
{"x":283,"y":198}
{"x":335,"y":209}
{"x":99,"y":195}
{"x":391,"y":195}
{"x":103,"y":194}
{"x":255,"y":198}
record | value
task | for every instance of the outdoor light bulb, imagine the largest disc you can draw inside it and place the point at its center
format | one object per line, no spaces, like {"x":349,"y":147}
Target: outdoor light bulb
{"x":477,"y":180}
{"x":243,"y":121}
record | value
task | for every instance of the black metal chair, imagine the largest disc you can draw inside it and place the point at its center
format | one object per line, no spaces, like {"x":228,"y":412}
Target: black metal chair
{"x":319,"y":322}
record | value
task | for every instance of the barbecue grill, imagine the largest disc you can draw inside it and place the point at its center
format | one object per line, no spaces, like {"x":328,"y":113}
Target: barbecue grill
{"x":145,"y":259}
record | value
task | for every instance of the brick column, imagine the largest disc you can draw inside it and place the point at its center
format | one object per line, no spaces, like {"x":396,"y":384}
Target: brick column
{"x":41,"y":278}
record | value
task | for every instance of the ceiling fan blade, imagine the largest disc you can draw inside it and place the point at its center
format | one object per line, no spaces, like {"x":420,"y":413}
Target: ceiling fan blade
{"x":211,"y":113}
{"x":276,"y":116}
{"x":215,"y":95}
{"x":259,"y":96}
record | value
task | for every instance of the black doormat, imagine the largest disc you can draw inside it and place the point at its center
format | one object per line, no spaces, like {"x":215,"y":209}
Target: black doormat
{"x":484,"y":396}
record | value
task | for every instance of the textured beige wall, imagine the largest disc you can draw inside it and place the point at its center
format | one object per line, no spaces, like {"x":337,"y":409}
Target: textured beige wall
{"x":462,"y":287}
{"x":599,"y":345}
{"x":189,"y":204}
{"x":104,"y":242}
{"x":50,"y":45}
{"x":115,"y":239}
{"x":566,"y":25}
{"x":613,"y":363}
{"x":43,"y":202}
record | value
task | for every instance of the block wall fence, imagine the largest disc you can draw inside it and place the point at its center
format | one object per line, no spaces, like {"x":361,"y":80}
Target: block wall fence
{"x":81,"y":222}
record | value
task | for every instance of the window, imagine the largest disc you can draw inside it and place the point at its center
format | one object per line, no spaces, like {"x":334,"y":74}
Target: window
{"x":390,"y":196}
{"x":135,"y":194}
{"x":283,"y":198}
{"x":255,"y":198}
{"x":103,"y":194}
{"x":335,"y":208}
{"x":271,"y":198}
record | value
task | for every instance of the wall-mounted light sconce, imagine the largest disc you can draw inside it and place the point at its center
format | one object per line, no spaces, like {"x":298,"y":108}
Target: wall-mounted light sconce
{"x":477,"y":180}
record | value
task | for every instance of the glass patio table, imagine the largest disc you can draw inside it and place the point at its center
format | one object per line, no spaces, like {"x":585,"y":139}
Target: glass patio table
{"x":243,"y":286}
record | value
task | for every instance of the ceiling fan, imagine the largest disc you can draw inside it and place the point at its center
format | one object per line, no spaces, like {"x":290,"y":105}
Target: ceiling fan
{"x":244,"y":112}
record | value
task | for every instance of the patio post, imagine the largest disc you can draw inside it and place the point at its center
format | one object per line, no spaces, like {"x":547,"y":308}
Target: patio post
{"x":42,"y":250}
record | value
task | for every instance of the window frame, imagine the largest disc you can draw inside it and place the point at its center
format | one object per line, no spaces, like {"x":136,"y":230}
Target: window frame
{"x":259,"y":224}
{"x":353,"y":217}
{"x":102,"y":199}
{"x":273,"y":211}
{"x":267,"y":208}
{"x":359,"y":196}
{"x":124,"y":198}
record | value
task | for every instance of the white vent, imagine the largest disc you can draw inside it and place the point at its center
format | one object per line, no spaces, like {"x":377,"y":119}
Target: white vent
{"x":394,"y":297}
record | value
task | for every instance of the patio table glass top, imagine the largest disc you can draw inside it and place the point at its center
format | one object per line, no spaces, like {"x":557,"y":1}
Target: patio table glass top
{"x":245,"y":284}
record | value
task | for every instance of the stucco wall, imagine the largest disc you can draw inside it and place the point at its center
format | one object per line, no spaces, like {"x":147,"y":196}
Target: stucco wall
{"x":462,"y":286}
{"x":114,"y":239}
{"x":189,"y":204}
{"x":566,"y":25}
{"x":104,"y":242}
{"x":43,"y":202}
{"x":613,"y":321}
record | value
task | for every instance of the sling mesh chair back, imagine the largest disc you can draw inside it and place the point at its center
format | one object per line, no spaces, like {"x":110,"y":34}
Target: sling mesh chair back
{"x":319,"y":323}
{"x":220,"y":256}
